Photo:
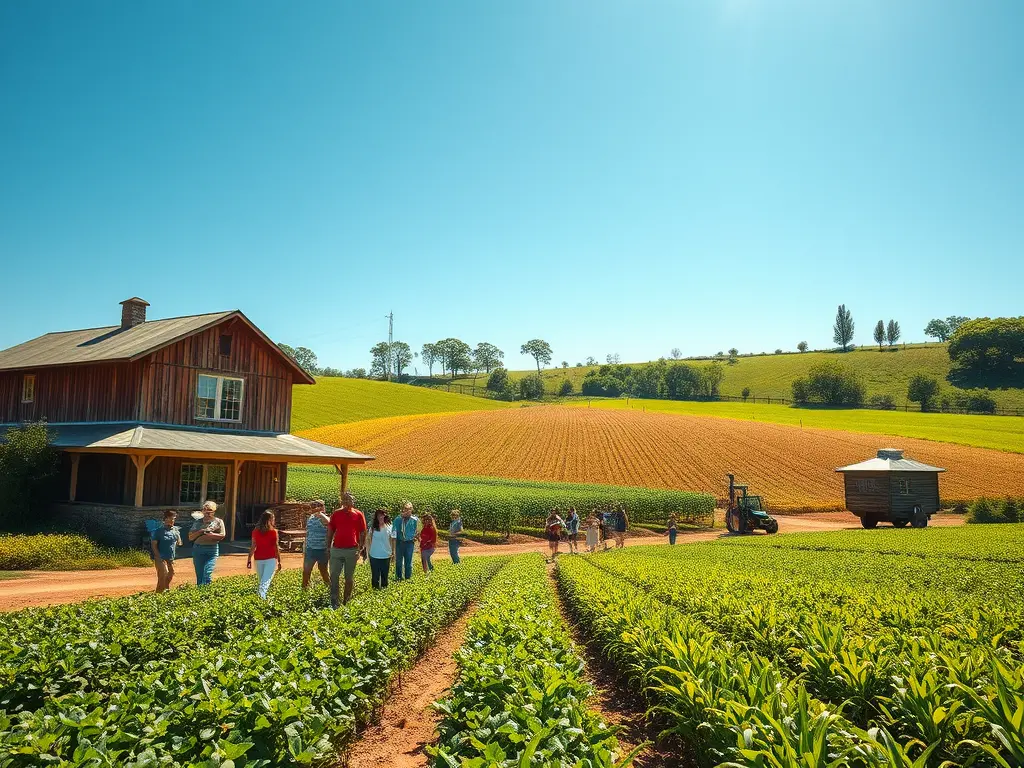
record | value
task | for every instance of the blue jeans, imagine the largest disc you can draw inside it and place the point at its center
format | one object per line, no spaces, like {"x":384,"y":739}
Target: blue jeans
{"x":403,"y":559}
{"x":671,"y":535}
{"x":453,"y":549}
{"x":204,"y":558}
{"x":379,"y":572}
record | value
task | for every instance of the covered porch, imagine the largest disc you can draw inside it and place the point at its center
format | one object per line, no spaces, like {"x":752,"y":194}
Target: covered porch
{"x":117,"y":476}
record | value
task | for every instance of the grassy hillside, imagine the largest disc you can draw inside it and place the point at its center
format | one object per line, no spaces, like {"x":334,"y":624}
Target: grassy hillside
{"x":1004,"y":433}
{"x":337,"y":400}
{"x":772,"y":375}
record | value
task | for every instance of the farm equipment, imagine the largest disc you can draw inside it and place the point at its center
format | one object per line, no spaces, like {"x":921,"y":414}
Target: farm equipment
{"x":746,"y":513}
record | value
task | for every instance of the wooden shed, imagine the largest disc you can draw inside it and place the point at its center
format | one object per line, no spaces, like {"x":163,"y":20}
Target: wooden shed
{"x":891,"y":488}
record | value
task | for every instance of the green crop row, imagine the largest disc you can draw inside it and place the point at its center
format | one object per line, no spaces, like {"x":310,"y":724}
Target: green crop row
{"x":493,"y":504}
{"x":234,"y":682}
{"x":520,"y":696}
{"x":920,"y":656}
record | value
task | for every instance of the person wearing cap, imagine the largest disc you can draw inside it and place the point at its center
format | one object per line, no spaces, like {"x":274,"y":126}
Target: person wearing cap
{"x":206,"y":534}
{"x":346,"y":532}
{"x":316,"y":550}
{"x":404,"y":532}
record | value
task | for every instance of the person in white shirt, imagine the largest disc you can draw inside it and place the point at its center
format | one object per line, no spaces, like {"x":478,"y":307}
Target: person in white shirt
{"x":380,"y":548}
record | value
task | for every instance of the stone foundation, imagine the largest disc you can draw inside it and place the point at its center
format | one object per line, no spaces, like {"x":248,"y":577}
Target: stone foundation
{"x":114,"y":525}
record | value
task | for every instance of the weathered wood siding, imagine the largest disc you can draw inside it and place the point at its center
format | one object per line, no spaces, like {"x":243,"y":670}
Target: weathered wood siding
{"x":867,"y":493}
{"x":879,"y":493}
{"x":108,"y":392}
{"x":923,"y":491}
{"x":170,"y":379}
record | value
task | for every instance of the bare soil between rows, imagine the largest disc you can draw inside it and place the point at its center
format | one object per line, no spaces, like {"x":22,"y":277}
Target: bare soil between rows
{"x":408,"y":722}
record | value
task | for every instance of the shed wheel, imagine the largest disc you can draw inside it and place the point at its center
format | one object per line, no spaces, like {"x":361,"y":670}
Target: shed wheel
{"x":867,"y":521}
{"x":919,"y":518}
{"x":771,"y":526}
{"x":899,"y":523}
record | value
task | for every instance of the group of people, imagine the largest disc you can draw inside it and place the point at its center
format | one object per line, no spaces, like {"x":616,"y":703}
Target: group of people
{"x":336,"y":542}
{"x":600,"y":527}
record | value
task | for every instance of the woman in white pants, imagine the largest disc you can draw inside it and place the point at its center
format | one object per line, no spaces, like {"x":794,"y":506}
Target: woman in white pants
{"x":266,"y":550}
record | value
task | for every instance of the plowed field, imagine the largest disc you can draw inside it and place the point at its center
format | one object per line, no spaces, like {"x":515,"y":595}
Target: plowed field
{"x":792,"y":467}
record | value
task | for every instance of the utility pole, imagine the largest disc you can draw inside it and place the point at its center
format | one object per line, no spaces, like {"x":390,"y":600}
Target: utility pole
{"x":391,"y":339}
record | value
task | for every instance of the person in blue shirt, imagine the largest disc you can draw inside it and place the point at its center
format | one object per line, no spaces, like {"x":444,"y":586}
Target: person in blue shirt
{"x":572,"y":530}
{"x":404,"y":532}
{"x":166,"y":541}
{"x":316,"y":552}
{"x":455,"y":535}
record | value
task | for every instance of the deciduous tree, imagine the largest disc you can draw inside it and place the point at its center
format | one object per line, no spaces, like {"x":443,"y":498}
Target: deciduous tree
{"x":892,"y":332}
{"x":455,"y":355}
{"x":429,"y":355}
{"x":802,"y":346}
{"x":380,"y":365}
{"x":487,"y":356}
{"x":539,"y":350}
{"x":401,"y":356}
{"x":842,"y":329}
{"x":880,"y":334}
{"x":676,"y":353}
{"x":937,"y":329}
{"x":922,"y":389}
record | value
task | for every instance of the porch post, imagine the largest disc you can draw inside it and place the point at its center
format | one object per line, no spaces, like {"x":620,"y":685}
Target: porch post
{"x":74,"y":476}
{"x":343,"y":471}
{"x":141,"y":462}
{"x":236,"y":471}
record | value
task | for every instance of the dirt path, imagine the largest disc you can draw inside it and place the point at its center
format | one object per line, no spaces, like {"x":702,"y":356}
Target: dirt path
{"x":34,"y":588}
{"x":621,"y":707}
{"x":407,"y":723}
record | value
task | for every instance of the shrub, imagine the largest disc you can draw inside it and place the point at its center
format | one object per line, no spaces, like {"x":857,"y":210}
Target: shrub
{"x":883,"y":402}
{"x":972,"y":400}
{"x":1010,"y":511}
{"x":498,"y":380}
{"x":28,"y":464}
{"x":63,"y":552}
{"x":801,"y":392}
{"x":602,"y":386}
{"x":531,"y":387}
{"x":682,"y":381}
{"x":565,"y":388}
{"x":981,"y":511}
{"x":745,"y":393}
{"x":778,"y":351}
{"x":988,"y":344}
{"x":922,"y":389}
{"x":833,"y":383}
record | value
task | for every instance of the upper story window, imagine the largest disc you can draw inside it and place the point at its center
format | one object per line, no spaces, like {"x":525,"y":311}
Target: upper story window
{"x":225,"y":344}
{"x":28,"y":388}
{"x":219,"y":398}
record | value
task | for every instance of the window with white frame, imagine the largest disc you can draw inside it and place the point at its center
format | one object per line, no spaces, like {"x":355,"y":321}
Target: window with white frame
{"x":218,"y":398}
{"x":904,"y":487}
{"x":28,"y":388}
{"x":203,"y":482}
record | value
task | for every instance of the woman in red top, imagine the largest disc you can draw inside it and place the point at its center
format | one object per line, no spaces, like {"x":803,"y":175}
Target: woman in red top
{"x":428,"y":540}
{"x":265,"y":549}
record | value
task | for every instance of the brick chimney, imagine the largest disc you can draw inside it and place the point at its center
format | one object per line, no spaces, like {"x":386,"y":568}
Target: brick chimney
{"x":133,"y":312}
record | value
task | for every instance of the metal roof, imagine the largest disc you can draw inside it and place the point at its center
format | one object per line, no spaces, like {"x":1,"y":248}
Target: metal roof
{"x":890,"y":460}
{"x":114,"y":343}
{"x":218,"y":443}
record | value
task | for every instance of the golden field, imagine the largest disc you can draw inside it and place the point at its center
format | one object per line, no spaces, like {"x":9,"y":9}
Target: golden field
{"x":790,"y":466}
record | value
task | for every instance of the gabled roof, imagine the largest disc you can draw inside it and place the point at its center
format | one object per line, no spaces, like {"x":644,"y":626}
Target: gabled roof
{"x":151,"y":439}
{"x":117,"y":344}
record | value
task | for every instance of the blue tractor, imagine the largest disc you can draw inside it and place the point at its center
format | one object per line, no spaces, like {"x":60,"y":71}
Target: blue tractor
{"x":747,"y":513}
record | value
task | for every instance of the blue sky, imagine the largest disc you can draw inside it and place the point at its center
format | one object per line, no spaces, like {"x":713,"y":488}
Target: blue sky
{"x":609,"y":176}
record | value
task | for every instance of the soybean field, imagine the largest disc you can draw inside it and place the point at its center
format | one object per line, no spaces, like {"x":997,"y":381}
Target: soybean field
{"x":820,"y":650}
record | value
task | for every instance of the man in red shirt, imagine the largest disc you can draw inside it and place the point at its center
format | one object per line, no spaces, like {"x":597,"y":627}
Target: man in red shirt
{"x":346,"y":534}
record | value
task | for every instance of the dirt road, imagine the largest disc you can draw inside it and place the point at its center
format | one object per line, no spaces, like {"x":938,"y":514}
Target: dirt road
{"x":32,"y":588}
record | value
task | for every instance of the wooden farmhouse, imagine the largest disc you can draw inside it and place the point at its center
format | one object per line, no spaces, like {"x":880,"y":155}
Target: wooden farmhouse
{"x":891,"y":488}
{"x":158,"y":414}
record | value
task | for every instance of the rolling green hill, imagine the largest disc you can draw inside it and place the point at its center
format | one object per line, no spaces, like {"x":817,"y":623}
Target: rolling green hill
{"x":884,"y":372}
{"x":337,"y":400}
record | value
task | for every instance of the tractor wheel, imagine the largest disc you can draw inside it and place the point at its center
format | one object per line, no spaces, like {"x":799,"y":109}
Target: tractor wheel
{"x":732,"y":521}
{"x":771,"y":526}
{"x":867,"y":521}
{"x":919,"y":518}
{"x":901,"y":523}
